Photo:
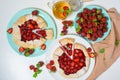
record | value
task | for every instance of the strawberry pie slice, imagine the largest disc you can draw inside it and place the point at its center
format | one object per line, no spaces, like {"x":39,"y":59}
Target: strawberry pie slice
{"x":67,"y":46}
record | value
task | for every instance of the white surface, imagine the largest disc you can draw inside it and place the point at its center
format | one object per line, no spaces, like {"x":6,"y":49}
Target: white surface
{"x":15,"y":67}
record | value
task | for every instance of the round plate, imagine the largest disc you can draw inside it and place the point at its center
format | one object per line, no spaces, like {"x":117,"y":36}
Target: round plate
{"x":105,"y":14}
{"x":50,"y":24}
{"x":55,"y":44}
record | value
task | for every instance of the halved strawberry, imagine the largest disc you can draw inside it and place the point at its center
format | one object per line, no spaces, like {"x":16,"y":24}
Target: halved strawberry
{"x":21,"y":49}
{"x":88,"y":36}
{"x":53,"y":68}
{"x":10,"y":30}
{"x":81,"y":64}
{"x":91,"y":55}
{"x":64,"y":13}
{"x":76,"y":60}
{"x":43,"y":46}
{"x":48,"y":66}
{"x":30,"y":26}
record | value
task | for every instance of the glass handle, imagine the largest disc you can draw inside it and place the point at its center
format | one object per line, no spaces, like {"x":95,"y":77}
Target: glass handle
{"x":50,"y":4}
{"x":75,"y":5}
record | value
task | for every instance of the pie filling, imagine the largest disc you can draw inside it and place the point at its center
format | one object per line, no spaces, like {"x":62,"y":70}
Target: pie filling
{"x":71,"y":66}
{"x":26,"y":31}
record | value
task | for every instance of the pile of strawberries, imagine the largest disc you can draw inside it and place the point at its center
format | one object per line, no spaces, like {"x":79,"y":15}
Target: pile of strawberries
{"x":51,"y":66}
{"x":66,"y":25}
{"x":27,"y":28}
{"x":71,"y":66}
{"x":36,"y":69}
{"x":27,"y":51}
{"x":91,"y":23}
{"x":91,"y":53}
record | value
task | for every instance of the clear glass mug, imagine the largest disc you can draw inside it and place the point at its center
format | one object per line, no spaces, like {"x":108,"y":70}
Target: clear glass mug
{"x":62,"y":8}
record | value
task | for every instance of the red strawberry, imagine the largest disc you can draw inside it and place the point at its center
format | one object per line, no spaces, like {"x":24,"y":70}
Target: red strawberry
{"x":41,"y":63}
{"x":51,"y":62}
{"x":48,"y":66}
{"x":81,"y":64}
{"x":94,"y":10}
{"x":31,"y":67}
{"x":88,"y":36}
{"x":104,"y":20}
{"x":72,"y":63}
{"x":10,"y":30}
{"x":85,"y":10}
{"x":78,"y":21}
{"x":65,"y":8}
{"x":91,"y":55}
{"x":104,"y":30}
{"x":35,"y":12}
{"x":89,"y":49}
{"x":30,"y":26}
{"x":64,"y":23}
{"x":21,"y":49}
{"x":79,"y":14}
{"x":70,"y":23}
{"x":43,"y":46}
{"x":53,"y":68}
{"x":65,"y":28}
{"x":76,"y":60}
{"x":80,"y":54}
{"x":83,"y":34}
{"x":64,"y":14}
{"x":35,"y":69}
{"x":31,"y":51}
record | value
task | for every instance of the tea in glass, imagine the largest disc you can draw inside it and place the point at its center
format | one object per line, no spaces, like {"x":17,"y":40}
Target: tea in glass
{"x":61,"y":9}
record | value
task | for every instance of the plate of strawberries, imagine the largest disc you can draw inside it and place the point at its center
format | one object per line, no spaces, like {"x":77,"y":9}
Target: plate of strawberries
{"x":92,"y":23}
{"x":31,"y":31}
{"x":71,"y":58}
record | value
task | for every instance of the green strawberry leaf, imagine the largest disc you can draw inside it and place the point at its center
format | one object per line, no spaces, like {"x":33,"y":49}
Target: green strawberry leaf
{"x":62,"y":34}
{"x":62,"y":10}
{"x":90,"y":31}
{"x":39,"y":71}
{"x":68,"y":11}
{"x":78,"y":28}
{"x":81,"y":20}
{"x":35,"y":75}
{"x":102,"y":50}
{"x":38,"y":65}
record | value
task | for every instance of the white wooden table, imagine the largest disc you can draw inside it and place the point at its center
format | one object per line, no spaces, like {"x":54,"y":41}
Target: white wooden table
{"x":15,"y":67}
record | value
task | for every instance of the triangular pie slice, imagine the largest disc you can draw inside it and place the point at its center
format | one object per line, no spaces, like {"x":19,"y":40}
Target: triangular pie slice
{"x":67,"y":45}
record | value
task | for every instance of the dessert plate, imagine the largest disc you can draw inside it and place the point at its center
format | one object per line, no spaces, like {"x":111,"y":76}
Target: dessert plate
{"x":55,"y":45}
{"x":90,"y":7}
{"x":45,"y":16}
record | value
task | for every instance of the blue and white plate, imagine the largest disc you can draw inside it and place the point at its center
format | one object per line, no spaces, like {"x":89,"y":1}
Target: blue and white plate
{"x":104,"y":13}
{"x":50,"y":24}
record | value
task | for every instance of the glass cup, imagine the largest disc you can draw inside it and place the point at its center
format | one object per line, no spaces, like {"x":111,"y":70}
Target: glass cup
{"x":62,"y":8}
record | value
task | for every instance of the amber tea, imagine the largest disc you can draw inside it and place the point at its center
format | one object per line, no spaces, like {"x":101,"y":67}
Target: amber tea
{"x":61,"y":9}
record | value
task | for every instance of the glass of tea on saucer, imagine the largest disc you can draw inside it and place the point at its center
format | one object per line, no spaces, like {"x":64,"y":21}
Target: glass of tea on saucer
{"x":63,"y":8}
